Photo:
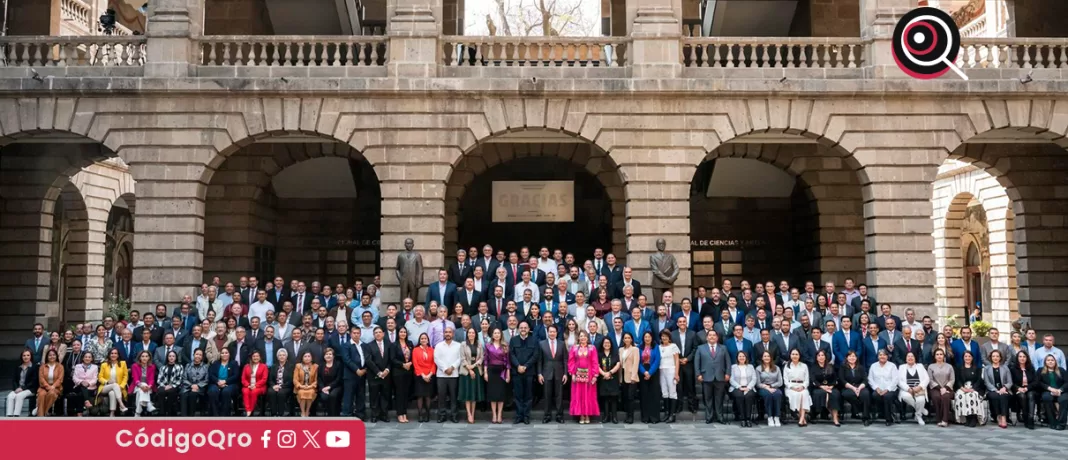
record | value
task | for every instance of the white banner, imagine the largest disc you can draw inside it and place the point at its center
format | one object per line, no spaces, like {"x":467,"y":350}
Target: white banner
{"x":533,"y":201}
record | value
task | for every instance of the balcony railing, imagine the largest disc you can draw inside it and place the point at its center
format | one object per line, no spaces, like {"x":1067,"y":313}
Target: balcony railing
{"x":1013,"y":53}
{"x":79,"y":14}
{"x":772,"y":52}
{"x":464,"y":51}
{"x":88,"y":50}
{"x":293,"y":51}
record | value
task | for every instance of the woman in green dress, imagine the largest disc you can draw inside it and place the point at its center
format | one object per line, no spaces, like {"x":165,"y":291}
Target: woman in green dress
{"x":471,"y":390}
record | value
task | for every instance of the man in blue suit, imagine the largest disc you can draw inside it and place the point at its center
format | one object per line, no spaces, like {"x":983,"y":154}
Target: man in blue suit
{"x":37,"y":343}
{"x":637,"y":326}
{"x":693,"y":319}
{"x":738,"y":343}
{"x":352,"y":402}
{"x":965,"y":343}
{"x":549,"y":303}
{"x":145,"y":344}
{"x":845,"y":341}
{"x":326,"y":299}
{"x":870,"y":346}
{"x":126,"y":347}
{"x":444,"y":292}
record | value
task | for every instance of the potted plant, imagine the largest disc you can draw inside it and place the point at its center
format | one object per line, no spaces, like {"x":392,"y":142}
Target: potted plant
{"x":117,"y":307}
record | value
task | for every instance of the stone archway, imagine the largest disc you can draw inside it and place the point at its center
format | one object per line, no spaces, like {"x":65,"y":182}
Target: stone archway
{"x":262,"y":220}
{"x":580,"y":160}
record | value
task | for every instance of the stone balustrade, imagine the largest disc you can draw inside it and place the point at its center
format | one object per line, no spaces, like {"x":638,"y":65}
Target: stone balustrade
{"x":1013,"y":53}
{"x":773,"y":52}
{"x":293,"y":51}
{"x":72,"y":51}
{"x":78,"y":15}
{"x":474,"y":51}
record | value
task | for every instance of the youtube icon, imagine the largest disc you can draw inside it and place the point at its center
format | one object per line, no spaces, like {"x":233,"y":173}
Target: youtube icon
{"x":337,"y":439}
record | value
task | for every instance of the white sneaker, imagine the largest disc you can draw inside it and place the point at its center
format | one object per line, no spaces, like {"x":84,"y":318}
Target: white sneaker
{"x":919,"y":419}
{"x":771,"y":421}
{"x":151,"y":408}
{"x":778,"y":421}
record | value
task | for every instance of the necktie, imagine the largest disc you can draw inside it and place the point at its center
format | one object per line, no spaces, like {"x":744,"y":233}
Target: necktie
{"x":713,"y":347}
{"x":127,"y":350}
{"x":552,"y":349}
{"x":381,"y":349}
{"x":908,"y":345}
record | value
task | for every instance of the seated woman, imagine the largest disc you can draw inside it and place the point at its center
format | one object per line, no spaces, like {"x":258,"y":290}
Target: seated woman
{"x":306,"y":382}
{"x":883,"y":380}
{"x":1053,"y":384}
{"x":769,"y":387}
{"x":223,"y":377}
{"x":84,"y":379}
{"x":795,"y":381}
{"x":854,"y":380}
{"x":24,"y":384}
{"x":280,"y":384}
{"x":998,"y":381}
{"x":253,"y":382}
{"x":168,"y":380}
{"x":824,"y":387}
{"x":968,"y":402}
{"x":912,"y":382}
{"x":50,"y":382}
{"x":1024,"y":383}
{"x":329,"y":381}
{"x":743,"y":387}
{"x":941,"y":379}
{"x":143,"y":383}
{"x":194,"y":383}
{"x":112,"y":379}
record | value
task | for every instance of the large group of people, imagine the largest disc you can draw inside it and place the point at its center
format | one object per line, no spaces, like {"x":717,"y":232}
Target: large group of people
{"x":512,"y":331}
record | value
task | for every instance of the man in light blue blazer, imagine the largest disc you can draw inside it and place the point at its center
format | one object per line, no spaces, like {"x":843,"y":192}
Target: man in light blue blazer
{"x":637,"y":326}
{"x":845,"y":341}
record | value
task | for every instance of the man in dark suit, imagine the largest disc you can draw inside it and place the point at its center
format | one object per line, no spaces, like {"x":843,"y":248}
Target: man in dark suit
{"x":160,"y":358}
{"x":177,"y":329}
{"x":352,"y":401}
{"x":196,"y":341}
{"x":139,"y":346}
{"x":523,"y":354}
{"x":240,"y":348}
{"x":377,"y":354}
{"x":279,"y":294}
{"x":905,"y":345}
{"x":149,"y":325}
{"x":686,"y":340}
{"x":884,"y":316}
{"x":268,"y":346}
{"x":627,"y":280}
{"x":786,"y":341}
{"x":460,"y":270}
{"x":661,"y":322}
{"x":443,"y":292}
{"x":552,"y":373}
{"x":249,"y":292}
{"x":536,"y":276}
{"x":302,"y":302}
{"x":469,"y":297}
{"x":811,"y":347}
{"x":862,"y":289}
{"x":613,"y":271}
{"x":725,"y":326}
{"x":296,"y":343}
{"x":391,"y":312}
{"x":488,"y":262}
{"x":37,"y":343}
{"x":127,"y":347}
{"x":739,"y":344}
{"x":713,"y":368}
{"x":765,"y":344}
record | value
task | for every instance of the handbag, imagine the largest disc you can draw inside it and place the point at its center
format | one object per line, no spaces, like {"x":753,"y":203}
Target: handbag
{"x":582,"y":375}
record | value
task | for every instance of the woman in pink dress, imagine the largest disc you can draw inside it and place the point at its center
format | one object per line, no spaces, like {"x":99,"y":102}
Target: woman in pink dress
{"x":582,"y":365}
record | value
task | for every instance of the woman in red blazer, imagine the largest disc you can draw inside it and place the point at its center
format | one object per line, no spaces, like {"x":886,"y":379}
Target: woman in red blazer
{"x":253,"y":382}
{"x":143,"y":383}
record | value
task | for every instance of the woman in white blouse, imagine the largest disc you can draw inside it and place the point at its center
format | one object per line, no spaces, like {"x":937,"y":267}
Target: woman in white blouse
{"x":912,"y":379}
{"x":795,"y":380}
{"x":882,"y":377}
{"x":744,"y":387}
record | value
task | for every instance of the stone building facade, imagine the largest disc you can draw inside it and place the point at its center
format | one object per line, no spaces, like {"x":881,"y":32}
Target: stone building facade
{"x":194,"y":128}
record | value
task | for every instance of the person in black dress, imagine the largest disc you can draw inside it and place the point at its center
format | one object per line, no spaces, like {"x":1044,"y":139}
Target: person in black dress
{"x":497,"y":373}
{"x":402,"y":372}
{"x":823,"y":386}
{"x":1023,"y":382}
{"x":330,"y":383}
{"x":608,"y":383}
{"x":853,"y":379}
{"x":280,"y":384}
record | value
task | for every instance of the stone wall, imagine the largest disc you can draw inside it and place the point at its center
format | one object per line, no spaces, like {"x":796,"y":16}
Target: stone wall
{"x":237,"y":17}
{"x":826,"y":18}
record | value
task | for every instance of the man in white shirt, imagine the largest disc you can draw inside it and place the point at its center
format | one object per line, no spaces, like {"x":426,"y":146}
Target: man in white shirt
{"x":447,"y":359}
{"x":259,"y":308}
{"x":419,"y":325}
{"x":525,"y":285}
{"x":545,"y":263}
{"x":910,"y":320}
{"x":578,"y":309}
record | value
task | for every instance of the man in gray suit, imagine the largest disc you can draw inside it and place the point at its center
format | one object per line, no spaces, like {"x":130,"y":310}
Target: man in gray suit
{"x":996,"y":344}
{"x":713,"y":368}
{"x":686,"y":340}
{"x":160,"y":358}
{"x":552,"y":374}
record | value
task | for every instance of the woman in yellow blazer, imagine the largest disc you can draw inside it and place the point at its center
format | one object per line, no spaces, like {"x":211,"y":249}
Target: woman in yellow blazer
{"x":628,"y":358}
{"x":306,"y":383}
{"x":112,"y":380}
{"x":50,"y":387}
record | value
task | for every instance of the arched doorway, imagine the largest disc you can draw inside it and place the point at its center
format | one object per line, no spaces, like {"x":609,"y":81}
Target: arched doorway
{"x":504,"y":193}
{"x":118,"y":251}
{"x":294,"y":206}
{"x":776,"y":211}
{"x":975,"y":285}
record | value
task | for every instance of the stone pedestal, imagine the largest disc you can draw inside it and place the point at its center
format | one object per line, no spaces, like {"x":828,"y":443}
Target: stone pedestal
{"x":877,"y":21}
{"x":414,"y":28}
{"x":655,"y":49}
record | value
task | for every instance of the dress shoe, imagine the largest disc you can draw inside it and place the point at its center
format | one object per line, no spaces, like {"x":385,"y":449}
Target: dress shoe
{"x":547,"y":419}
{"x":517,"y":421}
{"x":708,"y":421}
{"x":441,"y":419}
{"x":867,"y":422}
{"x":559,"y":418}
{"x":384,"y":419}
{"x":373,"y":420}
{"x":454,"y":419}
{"x":526,"y":420}
{"x":629,"y":419}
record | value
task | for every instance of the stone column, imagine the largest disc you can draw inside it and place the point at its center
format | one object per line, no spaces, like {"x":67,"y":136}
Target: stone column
{"x":877,"y":21}
{"x":657,"y":33}
{"x":658,"y":206}
{"x":169,"y":224}
{"x":414,"y":28}
{"x":172,"y":29}
{"x":898,"y":228}
{"x":412,"y":180}
{"x":85,"y":268}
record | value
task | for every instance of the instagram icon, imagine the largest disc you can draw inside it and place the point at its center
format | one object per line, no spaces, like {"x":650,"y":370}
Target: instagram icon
{"x":286,"y":439}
